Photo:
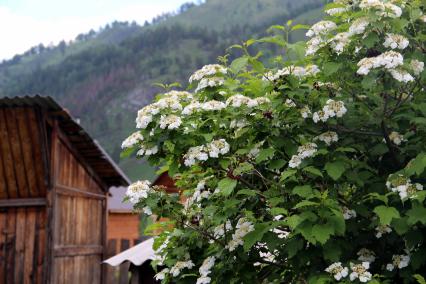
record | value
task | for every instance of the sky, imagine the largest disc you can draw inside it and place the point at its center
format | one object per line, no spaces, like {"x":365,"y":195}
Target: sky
{"x":26,"y":23}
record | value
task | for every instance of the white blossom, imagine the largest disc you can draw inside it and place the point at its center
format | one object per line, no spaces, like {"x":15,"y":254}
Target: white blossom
{"x":238,"y":100}
{"x":207,"y":70}
{"x":398,"y":261}
{"x":382,"y":9}
{"x":382,"y":229}
{"x":305,"y":112}
{"x":348,"y":213}
{"x":194,"y":106}
{"x":358,"y":26}
{"x":219,"y":231}
{"x":340,"y":41}
{"x":290,"y":103}
{"x":209,"y":82}
{"x":388,"y":60}
{"x":403,"y":186}
{"x":147,"y":210}
{"x":179,"y":266}
{"x":401,"y":75}
{"x":314,"y":44}
{"x":171,"y":102}
{"x":205,"y":270}
{"x":295,"y":161}
{"x":162,"y":274}
{"x":305,"y":151}
{"x":242,"y":229}
{"x":217,"y":147}
{"x":335,"y":11}
{"x":417,"y":66}
{"x":195,"y":154}
{"x":334,"y":108}
{"x":366,"y":255}
{"x":138,"y":190}
{"x":132,"y":140}
{"x":328,"y":137}
{"x":213,"y":105}
{"x":321,"y":28}
{"x":170,"y":121}
{"x":337,"y":270}
{"x":396,"y":138}
{"x":395,"y":41}
{"x":360,"y":272}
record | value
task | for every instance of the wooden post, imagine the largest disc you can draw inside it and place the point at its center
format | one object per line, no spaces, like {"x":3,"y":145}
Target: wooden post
{"x":124,"y":267}
{"x":110,"y":271}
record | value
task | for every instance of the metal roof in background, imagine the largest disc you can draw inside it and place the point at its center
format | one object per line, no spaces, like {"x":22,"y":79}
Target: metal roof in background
{"x":89,"y":148}
{"x":137,"y":255}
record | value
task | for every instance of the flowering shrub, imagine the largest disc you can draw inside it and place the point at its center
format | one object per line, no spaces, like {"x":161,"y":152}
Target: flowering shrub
{"x":308,"y":172}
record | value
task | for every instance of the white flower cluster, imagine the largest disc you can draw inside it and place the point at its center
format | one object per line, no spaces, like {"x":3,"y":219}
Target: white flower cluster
{"x":303,"y":152}
{"x":340,"y":41}
{"x":179,"y":266}
{"x":159,"y":256}
{"x":209,"y":82}
{"x":239,"y":100}
{"x":348,"y":213}
{"x":219,"y":231}
{"x":395,"y":41}
{"x":335,"y":11}
{"x":337,"y":270}
{"x":305,"y":112}
{"x":297,"y":71}
{"x":202,"y":153}
{"x":205,"y":270}
{"x":396,"y":138}
{"x":366,"y":255}
{"x":207,"y":70}
{"x":138,"y":190}
{"x":398,"y":261}
{"x":360,"y":272}
{"x":290,"y":103}
{"x":171,"y":100}
{"x":265,"y":254}
{"x":242,"y":229}
{"x":170,"y":121}
{"x":332,"y":108}
{"x":403,"y":187}
{"x":358,"y":26}
{"x":321,"y":28}
{"x":382,"y":229}
{"x":198,"y":195}
{"x":132,"y":140}
{"x":388,"y":60}
{"x":162,"y":274}
{"x":417,"y":66}
{"x":382,"y":8}
{"x":328,"y":137}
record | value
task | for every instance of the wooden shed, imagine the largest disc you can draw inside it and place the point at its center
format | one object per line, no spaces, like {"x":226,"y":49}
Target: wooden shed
{"x":54,"y":182}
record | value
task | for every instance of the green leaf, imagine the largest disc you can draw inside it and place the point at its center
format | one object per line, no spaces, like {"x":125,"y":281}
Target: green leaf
{"x":248,"y":192}
{"x":420,"y":279}
{"x":293,"y":246}
{"x":243,"y":168}
{"x":335,"y":169}
{"x":304,"y":191}
{"x":400,"y":225}
{"x":226,"y":186}
{"x":305,"y":203}
{"x":417,"y":165}
{"x":331,"y":251}
{"x":278,"y":211}
{"x":299,"y":27}
{"x":286,"y":174}
{"x":313,"y":170}
{"x":331,"y":68}
{"x":251,"y":238}
{"x":265,"y":154}
{"x":386,"y":214}
{"x":416,"y":214}
{"x":239,"y":64}
{"x":322,"y":232}
{"x":126,"y":153}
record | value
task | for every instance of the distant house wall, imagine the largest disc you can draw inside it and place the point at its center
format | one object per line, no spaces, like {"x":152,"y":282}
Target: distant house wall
{"x":123,"y":226}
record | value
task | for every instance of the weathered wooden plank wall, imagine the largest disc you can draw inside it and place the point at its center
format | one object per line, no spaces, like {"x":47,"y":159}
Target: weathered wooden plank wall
{"x":21,"y":167}
{"x":80,"y":205}
{"x":22,"y":244}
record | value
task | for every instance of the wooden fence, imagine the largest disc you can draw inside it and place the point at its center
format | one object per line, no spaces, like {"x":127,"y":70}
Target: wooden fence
{"x":120,"y":274}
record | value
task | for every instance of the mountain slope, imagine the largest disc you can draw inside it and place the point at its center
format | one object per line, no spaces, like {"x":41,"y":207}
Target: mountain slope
{"x":105,"y":77}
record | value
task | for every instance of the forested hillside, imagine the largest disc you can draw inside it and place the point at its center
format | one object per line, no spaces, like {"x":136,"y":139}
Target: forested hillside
{"x":104,"y":77}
